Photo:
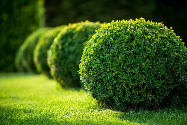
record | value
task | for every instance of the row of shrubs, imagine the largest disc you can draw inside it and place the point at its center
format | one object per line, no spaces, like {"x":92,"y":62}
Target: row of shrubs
{"x":127,"y":64}
{"x":65,"y":45}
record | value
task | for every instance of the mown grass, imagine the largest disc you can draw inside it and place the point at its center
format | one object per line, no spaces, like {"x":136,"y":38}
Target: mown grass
{"x":34,"y":99}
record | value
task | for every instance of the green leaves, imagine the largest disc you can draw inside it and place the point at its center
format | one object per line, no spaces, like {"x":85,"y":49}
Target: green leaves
{"x":136,"y":61}
{"x":66,"y":51}
{"x":25,"y":53}
{"x":40,"y":51}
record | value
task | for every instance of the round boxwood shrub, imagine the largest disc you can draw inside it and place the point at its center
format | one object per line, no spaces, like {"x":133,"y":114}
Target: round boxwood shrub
{"x":65,"y":52}
{"x":24,"y":57}
{"x":135,"y":64}
{"x":40,"y":51}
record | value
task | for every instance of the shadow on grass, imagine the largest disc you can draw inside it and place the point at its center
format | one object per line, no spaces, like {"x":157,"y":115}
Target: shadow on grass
{"x":31,"y":117}
{"x":23,"y":117}
{"x":170,"y":116}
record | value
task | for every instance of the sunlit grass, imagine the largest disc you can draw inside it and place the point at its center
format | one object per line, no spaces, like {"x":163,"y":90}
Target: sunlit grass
{"x":35,"y":99}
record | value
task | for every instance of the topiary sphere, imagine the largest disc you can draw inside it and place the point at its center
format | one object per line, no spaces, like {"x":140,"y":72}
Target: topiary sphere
{"x":40,"y":51}
{"x":135,"y":64}
{"x":65,"y":52}
{"x":25,"y":56}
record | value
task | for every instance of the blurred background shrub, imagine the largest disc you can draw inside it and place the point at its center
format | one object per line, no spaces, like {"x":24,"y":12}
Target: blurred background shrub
{"x":40,"y":51}
{"x":24,"y":56}
{"x":65,"y":52}
{"x":18,"y":18}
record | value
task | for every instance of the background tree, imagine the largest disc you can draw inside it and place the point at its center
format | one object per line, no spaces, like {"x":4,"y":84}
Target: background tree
{"x":172,"y":13}
{"x":18,"y":18}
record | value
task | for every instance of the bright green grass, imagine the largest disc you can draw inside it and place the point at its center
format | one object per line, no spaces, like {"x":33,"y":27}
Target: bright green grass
{"x":35,"y":99}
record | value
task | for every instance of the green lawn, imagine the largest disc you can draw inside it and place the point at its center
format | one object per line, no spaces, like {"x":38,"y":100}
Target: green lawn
{"x":35,"y":99}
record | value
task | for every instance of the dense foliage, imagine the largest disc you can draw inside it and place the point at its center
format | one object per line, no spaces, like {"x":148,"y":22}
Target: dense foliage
{"x":24,"y":56}
{"x":65,"y":52}
{"x":18,"y":18}
{"x":135,"y":64}
{"x":40,"y":51}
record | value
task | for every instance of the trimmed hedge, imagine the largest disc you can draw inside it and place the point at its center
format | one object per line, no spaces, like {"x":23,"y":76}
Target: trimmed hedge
{"x":24,"y":57}
{"x":40,"y":51}
{"x":18,"y":18}
{"x":135,"y":64}
{"x":65,"y":52}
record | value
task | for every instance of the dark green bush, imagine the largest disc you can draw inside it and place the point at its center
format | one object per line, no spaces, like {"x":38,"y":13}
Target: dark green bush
{"x":18,"y":19}
{"x":24,"y":57}
{"x":65,"y":52}
{"x":135,"y":65}
{"x":40,"y":51}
